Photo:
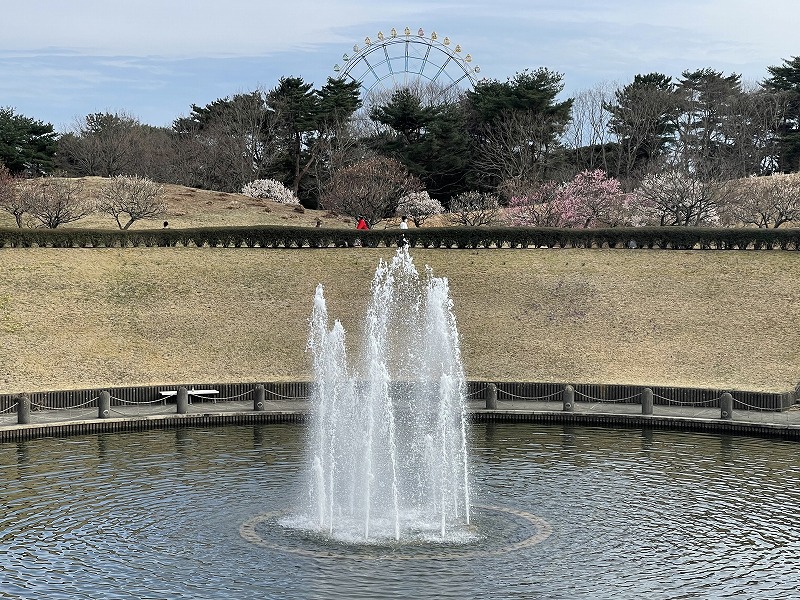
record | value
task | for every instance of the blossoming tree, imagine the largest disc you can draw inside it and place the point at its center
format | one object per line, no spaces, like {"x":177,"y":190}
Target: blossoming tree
{"x":768,"y":201}
{"x":134,"y":197}
{"x":419,"y":207}
{"x":270,"y":189}
{"x":371,"y":188}
{"x":590,"y":199}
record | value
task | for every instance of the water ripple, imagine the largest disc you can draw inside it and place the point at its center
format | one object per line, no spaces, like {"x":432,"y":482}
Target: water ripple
{"x":633,"y":514}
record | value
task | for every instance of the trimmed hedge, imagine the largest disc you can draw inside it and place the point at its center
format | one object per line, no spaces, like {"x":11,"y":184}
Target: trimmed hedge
{"x":427,"y":237}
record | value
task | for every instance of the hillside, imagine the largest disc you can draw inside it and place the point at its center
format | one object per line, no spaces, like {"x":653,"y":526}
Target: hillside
{"x":192,"y":207}
{"x":72,"y":318}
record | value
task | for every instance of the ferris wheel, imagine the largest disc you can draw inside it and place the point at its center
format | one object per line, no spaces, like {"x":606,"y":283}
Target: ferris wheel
{"x":399,"y":60}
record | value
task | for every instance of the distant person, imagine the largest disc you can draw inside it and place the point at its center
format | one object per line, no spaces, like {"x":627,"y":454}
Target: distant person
{"x":362,"y":223}
{"x":404,"y":222}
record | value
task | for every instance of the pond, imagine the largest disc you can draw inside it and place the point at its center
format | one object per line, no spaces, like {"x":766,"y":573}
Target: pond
{"x":562,"y":512}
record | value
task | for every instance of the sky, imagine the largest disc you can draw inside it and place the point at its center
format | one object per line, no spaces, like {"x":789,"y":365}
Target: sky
{"x":153,"y":59}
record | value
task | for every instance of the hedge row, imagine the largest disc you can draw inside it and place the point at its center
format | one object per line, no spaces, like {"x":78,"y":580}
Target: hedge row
{"x":433,"y":237}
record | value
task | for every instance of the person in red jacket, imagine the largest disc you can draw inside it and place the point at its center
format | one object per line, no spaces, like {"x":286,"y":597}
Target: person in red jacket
{"x":362,"y":223}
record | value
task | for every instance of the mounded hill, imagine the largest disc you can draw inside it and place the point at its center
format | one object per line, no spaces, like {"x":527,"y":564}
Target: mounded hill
{"x":193,"y":207}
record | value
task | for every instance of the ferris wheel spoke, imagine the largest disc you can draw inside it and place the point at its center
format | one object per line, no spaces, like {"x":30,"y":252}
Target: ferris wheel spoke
{"x":443,"y":67}
{"x":388,"y":60}
{"x":371,"y":69}
{"x":425,"y":59}
{"x":454,"y":83}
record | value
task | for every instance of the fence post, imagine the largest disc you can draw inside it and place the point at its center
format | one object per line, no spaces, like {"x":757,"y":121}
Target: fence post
{"x":23,"y":409}
{"x":569,"y":398}
{"x":647,"y":401}
{"x":182,"y":400}
{"x":104,"y":405}
{"x":726,"y":406}
{"x":258,"y":402}
{"x":491,"y":399}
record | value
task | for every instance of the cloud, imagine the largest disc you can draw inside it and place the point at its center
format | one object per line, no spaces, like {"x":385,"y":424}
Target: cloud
{"x":180,"y":29}
{"x":157,"y":57}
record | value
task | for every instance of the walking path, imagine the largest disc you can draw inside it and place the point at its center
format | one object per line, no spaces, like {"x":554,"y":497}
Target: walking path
{"x":136,"y":416}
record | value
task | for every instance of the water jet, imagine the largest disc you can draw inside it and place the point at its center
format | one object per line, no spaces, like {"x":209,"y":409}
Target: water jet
{"x":388,"y":452}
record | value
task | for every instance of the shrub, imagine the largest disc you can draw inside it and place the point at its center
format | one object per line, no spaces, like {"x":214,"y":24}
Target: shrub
{"x":270,"y":189}
{"x":267,"y":236}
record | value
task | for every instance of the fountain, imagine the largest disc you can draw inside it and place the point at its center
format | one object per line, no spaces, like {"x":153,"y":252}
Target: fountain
{"x":388,"y":443}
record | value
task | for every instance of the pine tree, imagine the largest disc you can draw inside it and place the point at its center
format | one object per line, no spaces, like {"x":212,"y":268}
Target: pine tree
{"x":785,"y":80}
{"x":26,"y":145}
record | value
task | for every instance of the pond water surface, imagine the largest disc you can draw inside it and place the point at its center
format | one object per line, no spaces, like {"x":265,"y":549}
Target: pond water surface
{"x":621,"y":513}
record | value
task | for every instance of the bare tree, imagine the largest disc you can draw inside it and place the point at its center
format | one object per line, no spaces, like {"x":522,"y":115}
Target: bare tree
{"x":335,"y":152}
{"x":226,"y":144}
{"x":371,"y":187}
{"x":136,"y":197}
{"x":518,"y":145}
{"x":10,"y":200}
{"x":102,"y":144}
{"x":55,"y":201}
{"x":474,"y":209}
{"x":587,"y":135}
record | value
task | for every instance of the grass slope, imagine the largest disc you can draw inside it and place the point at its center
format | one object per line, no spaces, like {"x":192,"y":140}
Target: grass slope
{"x":72,"y":318}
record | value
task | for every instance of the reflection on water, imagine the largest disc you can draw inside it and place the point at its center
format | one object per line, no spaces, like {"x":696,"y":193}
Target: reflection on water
{"x":633,"y":514}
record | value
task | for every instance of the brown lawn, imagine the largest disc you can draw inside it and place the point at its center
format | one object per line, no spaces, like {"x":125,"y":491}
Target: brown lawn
{"x":73,"y":318}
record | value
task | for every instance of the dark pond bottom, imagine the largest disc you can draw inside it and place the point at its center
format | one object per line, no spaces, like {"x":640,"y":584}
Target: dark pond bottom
{"x":563,"y":513}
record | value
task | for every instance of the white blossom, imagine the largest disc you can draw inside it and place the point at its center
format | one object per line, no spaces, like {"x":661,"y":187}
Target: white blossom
{"x":419,"y":206}
{"x":270,"y":189}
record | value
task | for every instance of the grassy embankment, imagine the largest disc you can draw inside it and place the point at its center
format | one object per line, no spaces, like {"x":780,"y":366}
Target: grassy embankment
{"x":72,"y":318}
{"x":94,"y":317}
